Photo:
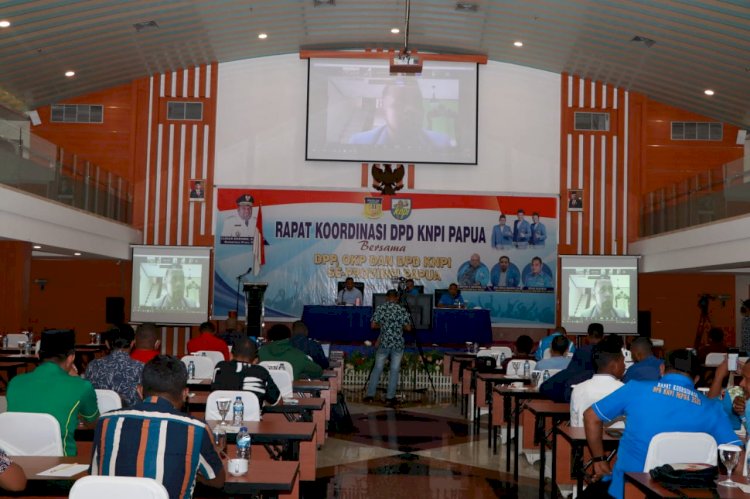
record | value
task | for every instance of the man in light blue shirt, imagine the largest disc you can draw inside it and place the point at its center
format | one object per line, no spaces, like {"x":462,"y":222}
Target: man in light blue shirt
{"x":502,"y":235}
{"x":546,"y":342}
{"x":451,"y":299}
{"x":646,"y":367}
{"x":557,"y":359}
{"x":652,"y":407}
{"x":538,"y":231}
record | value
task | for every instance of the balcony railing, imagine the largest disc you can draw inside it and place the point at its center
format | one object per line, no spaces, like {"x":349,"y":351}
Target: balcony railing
{"x":717,"y":194}
{"x":35,"y":165}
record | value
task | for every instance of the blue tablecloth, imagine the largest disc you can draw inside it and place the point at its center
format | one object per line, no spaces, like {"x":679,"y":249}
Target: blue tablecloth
{"x":340,"y":324}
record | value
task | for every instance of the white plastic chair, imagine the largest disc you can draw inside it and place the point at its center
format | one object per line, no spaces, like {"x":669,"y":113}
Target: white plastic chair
{"x":215,"y":356}
{"x":249,"y":399}
{"x":30,"y":434}
{"x":551,"y":372}
{"x":715,"y":358}
{"x":117,"y":487}
{"x":282,"y":375}
{"x":14,"y":338}
{"x":204,"y":366}
{"x":507,"y":351}
{"x":108,"y":400}
{"x":680,"y":447}
{"x":520,"y":362}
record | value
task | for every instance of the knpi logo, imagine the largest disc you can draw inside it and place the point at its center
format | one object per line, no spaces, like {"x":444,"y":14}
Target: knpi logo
{"x":401,"y":208}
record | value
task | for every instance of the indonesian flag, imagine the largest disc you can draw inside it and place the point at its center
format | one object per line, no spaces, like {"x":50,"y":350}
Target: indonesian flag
{"x":259,"y":250}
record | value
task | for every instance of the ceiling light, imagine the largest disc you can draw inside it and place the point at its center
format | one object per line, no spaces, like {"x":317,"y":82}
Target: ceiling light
{"x":70,"y":74}
{"x":467,"y":6}
{"x":77,"y":253}
{"x":708,"y":91}
{"x":145,"y":26}
{"x":262,"y":36}
{"x":518,"y":43}
{"x":4,"y":24}
{"x":395,"y":31}
{"x":36,"y":246}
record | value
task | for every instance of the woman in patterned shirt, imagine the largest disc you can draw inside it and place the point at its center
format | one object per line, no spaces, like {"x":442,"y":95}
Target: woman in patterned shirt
{"x":12,"y":476}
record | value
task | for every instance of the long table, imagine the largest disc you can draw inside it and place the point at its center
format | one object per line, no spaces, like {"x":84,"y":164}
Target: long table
{"x":352,"y":324}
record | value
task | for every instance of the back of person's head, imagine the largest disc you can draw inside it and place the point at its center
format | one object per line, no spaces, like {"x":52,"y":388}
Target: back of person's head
{"x":608,"y":352}
{"x":207,"y":327}
{"x":683,"y":361}
{"x":595,"y":331}
{"x":245,"y":349}
{"x":57,"y":344}
{"x":299,"y":328}
{"x":120,"y":337}
{"x":146,"y":336}
{"x":559,"y":345}
{"x":642,"y":345}
{"x":558,"y":329}
{"x":278,"y":332}
{"x":164,"y":374}
{"x":524,"y":344}
{"x":716,"y":335}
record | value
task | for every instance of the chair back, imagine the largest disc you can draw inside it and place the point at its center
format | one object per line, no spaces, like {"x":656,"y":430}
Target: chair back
{"x":540,"y":377}
{"x":680,"y":447}
{"x":204,"y":366}
{"x":215,"y":356}
{"x":108,"y":400}
{"x":714,"y":359}
{"x":249,"y":399}
{"x":14,"y":338}
{"x":500,"y":350}
{"x":117,"y":487}
{"x":282,"y":375}
{"x":520,"y":362}
{"x":30,"y":434}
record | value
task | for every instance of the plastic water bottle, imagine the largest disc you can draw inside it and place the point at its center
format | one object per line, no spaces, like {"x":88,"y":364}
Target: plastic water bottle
{"x":191,"y":370}
{"x":545,"y":376}
{"x":243,"y":443}
{"x":502,"y":358}
{"x":526,"y":369}
{"x":238,"y":412}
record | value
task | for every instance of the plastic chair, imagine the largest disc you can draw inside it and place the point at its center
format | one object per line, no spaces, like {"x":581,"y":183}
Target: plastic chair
{"x":215,"y":356}
{"x":520,"y":362}
{"x":680,"y":447}
{"x":30,"y":434}
{"x":283,"y":377}
{"x":715,"y":358}
{"x":117,"y":487}
{"x":275,"y":365}
{"x":507,"y":351}
{"x":204,"y":366}
{"x":14,"y":338}
{"x":249,"y":399}
{"x":108,"y":400}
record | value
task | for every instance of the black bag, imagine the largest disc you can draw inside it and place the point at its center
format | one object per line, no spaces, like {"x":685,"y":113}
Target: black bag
{"x":704,"y":478}
{"x":485,"y":364}
{"x":341,"y":419}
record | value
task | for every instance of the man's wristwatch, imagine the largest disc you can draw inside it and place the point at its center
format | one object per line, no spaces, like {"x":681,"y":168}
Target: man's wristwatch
{"x":598,"y":459}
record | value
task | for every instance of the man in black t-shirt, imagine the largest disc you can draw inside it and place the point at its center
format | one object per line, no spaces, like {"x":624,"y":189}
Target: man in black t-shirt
{"x":243,"y":373}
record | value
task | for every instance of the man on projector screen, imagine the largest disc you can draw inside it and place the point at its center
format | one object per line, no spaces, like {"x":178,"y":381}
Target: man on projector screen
{"x":404,"y":116}
{"x":173,"y":294}
{"x":239,"y":228}
{"x":603,"y":297}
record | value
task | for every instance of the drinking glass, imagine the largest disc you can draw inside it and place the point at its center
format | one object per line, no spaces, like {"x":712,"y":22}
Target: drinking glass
{"x":730,"y":456}
{"x":223,"y":406}
{"x":93,"y":338}
{"x":516,"y":366}
{"x":22,"y":347}
{"x":469,"y":346}
{"x":220,"y":438}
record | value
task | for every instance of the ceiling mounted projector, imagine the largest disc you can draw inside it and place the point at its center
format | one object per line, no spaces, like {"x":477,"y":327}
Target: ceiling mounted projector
{"x":406,"y":63}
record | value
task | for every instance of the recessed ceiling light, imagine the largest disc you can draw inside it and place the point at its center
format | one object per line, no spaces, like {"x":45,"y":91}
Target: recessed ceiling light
{"x":4,"y":24}
{"x":36,"y":246}
{"x":518,"y":43}
{"x":70,"y":74}
{"x":262,"y":36}
{"x":708,"y":91}
{"x":77,"y":253}
{"x":395,"y":31}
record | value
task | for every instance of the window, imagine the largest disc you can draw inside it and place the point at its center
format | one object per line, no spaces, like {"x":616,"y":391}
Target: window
{"x":593,"y":122}
{"x":77,"y":113}
{"x":192,"y":111}
{"x":697,"y":130}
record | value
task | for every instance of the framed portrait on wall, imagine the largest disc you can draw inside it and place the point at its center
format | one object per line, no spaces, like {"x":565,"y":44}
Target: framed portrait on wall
{"x":197,"y":190}
{"x":575,"y":199}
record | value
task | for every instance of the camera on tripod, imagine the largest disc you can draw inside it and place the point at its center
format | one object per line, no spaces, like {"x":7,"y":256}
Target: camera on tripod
{"x":399,"y":284}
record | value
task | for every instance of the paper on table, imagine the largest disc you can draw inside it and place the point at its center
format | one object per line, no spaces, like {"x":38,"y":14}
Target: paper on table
{"x":70,"y":469}
{"x":743,"y":487}
{"x":196,"y":381}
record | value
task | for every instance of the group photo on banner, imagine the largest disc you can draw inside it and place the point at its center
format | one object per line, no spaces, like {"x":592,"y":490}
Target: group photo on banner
{"x":500,"y":251}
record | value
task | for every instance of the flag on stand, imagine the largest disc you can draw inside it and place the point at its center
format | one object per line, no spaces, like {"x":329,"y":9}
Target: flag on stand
{"x":259,"y":250}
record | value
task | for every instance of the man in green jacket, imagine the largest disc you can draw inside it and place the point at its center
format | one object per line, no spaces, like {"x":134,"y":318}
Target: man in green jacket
{"x":280,"y":348}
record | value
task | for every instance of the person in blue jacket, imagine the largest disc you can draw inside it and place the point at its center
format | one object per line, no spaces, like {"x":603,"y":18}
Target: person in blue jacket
{"x":505,"y":274}
{"x":502,"y":234}
{"x":538,"y":231}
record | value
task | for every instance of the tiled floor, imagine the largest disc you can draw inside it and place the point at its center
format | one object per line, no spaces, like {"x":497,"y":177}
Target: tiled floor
{"x":422,"y":450}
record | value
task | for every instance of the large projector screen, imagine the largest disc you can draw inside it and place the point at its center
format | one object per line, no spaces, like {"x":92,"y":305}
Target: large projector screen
{"x":358,"y":111}
{"x":170,"y":284}
{"x":600,"y":289}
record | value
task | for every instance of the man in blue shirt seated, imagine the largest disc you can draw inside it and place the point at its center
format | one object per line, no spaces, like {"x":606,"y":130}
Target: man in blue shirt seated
{"x":409,"y":288}
{"x":451,"y":299}
{"x":349,"y":295}
{"x":734,"y":400}
{"x":646,"y":367}
{"x":545,"y":342}
{"x":557,"y":359}
{"x":652,"y":407}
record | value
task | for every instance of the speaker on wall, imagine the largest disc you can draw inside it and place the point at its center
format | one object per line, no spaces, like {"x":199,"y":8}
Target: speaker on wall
{"x":115,"y":310}
{"x":644,"y":323}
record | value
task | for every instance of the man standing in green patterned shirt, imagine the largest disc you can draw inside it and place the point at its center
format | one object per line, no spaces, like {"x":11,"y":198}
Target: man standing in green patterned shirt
{"x":392,"y":319}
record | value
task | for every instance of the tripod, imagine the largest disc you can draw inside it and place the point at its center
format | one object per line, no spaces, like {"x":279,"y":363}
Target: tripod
{"x":405,"y":303}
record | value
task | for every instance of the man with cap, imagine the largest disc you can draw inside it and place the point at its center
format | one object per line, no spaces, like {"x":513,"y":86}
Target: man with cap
{"x":239,"y":228}
{"x":50,"y":389}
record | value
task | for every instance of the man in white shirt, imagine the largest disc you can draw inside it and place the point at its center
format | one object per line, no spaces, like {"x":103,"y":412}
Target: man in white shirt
{"x":349,"y":295}
{"x":610,"y":364}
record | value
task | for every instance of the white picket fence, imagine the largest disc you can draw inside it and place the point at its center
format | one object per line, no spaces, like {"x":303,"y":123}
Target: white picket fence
{"x":408,"y":379}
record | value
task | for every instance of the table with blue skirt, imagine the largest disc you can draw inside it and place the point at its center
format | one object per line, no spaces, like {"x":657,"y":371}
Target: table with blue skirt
{"x":341,"y":324}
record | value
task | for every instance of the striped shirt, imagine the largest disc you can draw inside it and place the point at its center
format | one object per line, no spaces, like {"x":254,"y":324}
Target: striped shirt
{"x":154,"y":440}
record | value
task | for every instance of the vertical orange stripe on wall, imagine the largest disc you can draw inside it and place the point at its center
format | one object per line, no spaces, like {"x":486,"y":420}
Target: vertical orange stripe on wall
{"x":155,"y":103}
{"x":175,"y":186}
{"x":211,"y":148}
{"x":365,"y":175}
{"x":410,"y":176}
